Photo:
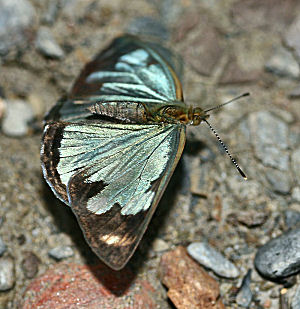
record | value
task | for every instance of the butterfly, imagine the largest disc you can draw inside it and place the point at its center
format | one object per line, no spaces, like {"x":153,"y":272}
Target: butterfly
{"x":110,"y":147}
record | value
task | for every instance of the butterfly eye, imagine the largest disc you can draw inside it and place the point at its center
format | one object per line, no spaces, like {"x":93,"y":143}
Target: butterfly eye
{"x":198,"y":115}
{"x":196,"y":121}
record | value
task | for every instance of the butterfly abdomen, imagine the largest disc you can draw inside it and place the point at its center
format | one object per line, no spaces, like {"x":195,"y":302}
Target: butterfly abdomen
{"x":127,"y":112}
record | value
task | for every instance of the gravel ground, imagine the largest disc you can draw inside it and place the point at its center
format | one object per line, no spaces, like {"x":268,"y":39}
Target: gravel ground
{"x":228,"y":48}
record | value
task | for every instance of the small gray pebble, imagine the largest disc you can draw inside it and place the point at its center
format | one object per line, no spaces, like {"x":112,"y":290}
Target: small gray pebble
{"x":244,"y":296}
{"x":296,"y":194}
{"x":160,"y":245}
{"x":295,"y":93}
{"x":51,"y":13}
{"x":291,"y":218}
{"x":16,"y":16}
{"x":280,"y":181}
{"x":268,"y":130}
{"x":212,"y":259}
{"x":30,"y":264}
{"x":2,"y":247}
{"x":275,"y":157}
{"x":46,"y":44}
{"x":7,"y":274}
{"x":16,"y":117}
{"x":149,"y":27}
{"x":269,"y":135}
{"x":280,"y":257}
{"x":282,"y":63}
{"x":296,"y":164}
{"x":60,"y":253}
{"x":291,"y":36}
{"x":295,"y":304}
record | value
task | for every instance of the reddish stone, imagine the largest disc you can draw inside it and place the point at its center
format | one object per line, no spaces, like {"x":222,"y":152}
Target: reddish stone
{"x":233,"y":73}
{"x":272,"y":14}
{"x":189,"y":285}
{"x":68,"y":285}
{"x":185,"y":25}
{"x":204,"y":51}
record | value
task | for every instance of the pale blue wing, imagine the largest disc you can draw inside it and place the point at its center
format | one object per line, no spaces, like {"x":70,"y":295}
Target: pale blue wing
{"x":135,"y":76}
{"x":127,"y":159}
{"x":128,"y":70}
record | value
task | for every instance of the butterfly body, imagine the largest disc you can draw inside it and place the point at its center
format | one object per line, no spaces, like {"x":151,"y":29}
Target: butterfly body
{"x":142,"y":113}
{"x":110,"y":147}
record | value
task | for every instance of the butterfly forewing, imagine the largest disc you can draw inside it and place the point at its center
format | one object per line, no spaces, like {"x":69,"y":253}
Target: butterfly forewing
{"x":112,"y":173}
{"x":128,"y":70}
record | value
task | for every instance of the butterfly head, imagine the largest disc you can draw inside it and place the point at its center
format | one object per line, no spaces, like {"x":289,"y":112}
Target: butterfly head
{"x":197,"y":115}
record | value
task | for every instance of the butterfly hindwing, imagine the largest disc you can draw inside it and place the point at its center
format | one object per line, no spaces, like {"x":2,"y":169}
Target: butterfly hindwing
{"x":114,"y":197}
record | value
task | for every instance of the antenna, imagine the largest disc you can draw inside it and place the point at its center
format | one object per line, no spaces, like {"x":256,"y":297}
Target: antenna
{"x":230,"y":101}
{"x":225,"y":148}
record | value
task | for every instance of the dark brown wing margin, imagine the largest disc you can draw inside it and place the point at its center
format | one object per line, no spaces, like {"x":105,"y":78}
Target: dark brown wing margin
{"x":52,"y":136}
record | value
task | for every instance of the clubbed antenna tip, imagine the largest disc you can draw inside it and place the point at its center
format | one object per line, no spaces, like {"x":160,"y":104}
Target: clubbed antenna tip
{"x":226,"y":150}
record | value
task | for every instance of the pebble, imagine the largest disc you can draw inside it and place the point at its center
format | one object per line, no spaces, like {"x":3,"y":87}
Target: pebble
{"x":160,"y":245}
{"x":2,"y":107}
{"x":16,"y":16}
{"x":284,"y":115}
{"x":46,"y":44}
{"x":208,"y":257}
{"x":282,"y":63}
{"x":148,"y":26}
{"x":296,"y":164}
{"x":269,"y":135}
{"x":292,"y":36}
{"x":205,"y":50}
{"x":294,"y":138}
{"x":7,"y":274}
{"x":244,"y":295}
{"x":189,"y":286}
{"x":17,"y":115}
{"x":30,"y":264}
{"x":250,"y":218}
{"x":291,"y":218}
{"x":280,"y":181}
{"x":295,"y":93}
{"x":2,"y":247}
{"x":295,"y":304}
{"x":280,"y":257}
{"x":51,"y":13}
{"x":296,"y":194}
{"x":61,"y":252}
{"x":275,"y":158}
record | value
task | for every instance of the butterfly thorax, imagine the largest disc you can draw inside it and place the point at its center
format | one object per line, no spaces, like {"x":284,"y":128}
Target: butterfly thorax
{"x":143,"y":113}
{"x":178,"y":113}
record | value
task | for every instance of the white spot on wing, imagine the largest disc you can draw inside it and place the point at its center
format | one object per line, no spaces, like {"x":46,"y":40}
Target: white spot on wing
{"x":137,"y":57}
{"x":110,"y":239}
